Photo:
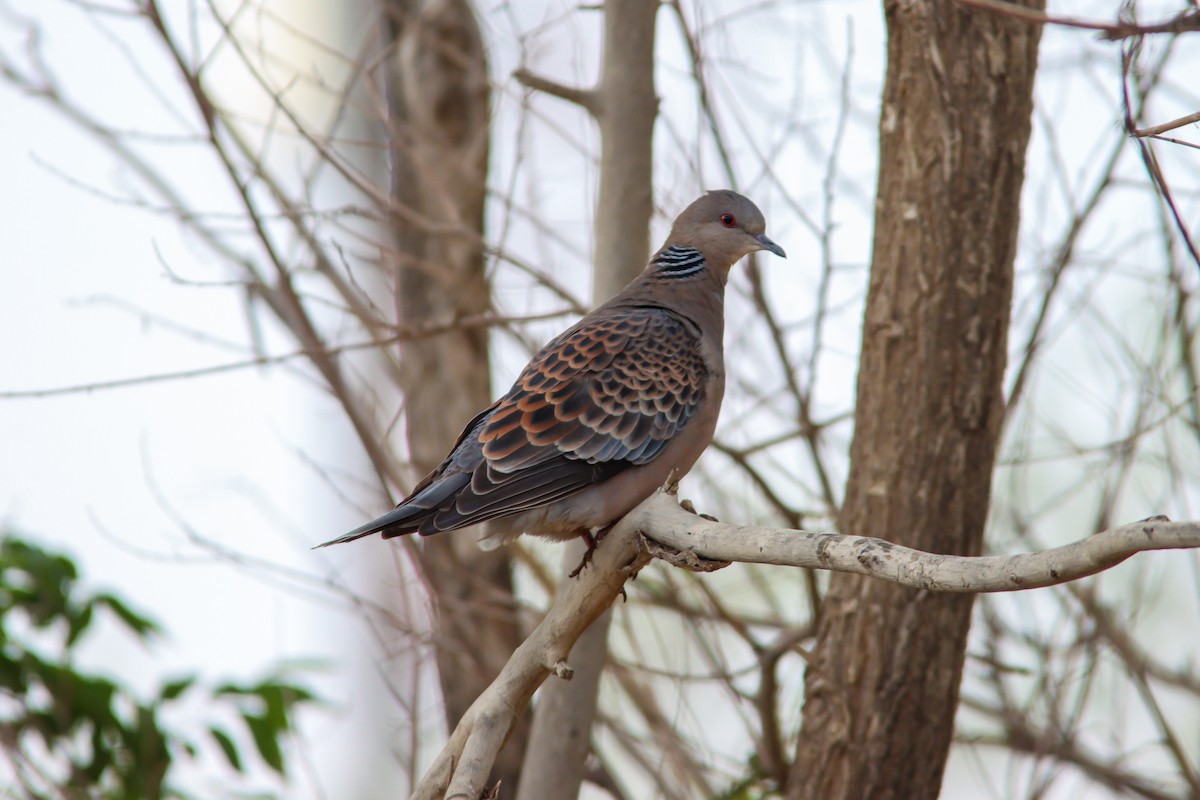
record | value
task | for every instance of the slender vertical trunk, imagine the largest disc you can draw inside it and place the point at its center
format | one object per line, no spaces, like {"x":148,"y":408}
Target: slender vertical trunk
{"x":625,"y":112}
{"x":882,"y":685}
{"x":438,"y":108}
{"x":625,"y":108}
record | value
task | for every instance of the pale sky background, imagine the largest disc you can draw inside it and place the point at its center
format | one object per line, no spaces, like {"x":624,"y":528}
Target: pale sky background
{"x":110,"y":475}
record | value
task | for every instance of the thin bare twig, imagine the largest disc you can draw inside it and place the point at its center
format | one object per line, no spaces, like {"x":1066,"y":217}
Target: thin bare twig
{"x":1182,"y":23}
{"x":1155,"y":130}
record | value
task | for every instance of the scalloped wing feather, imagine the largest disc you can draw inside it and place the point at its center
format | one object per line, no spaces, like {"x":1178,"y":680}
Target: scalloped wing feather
{"x":606,"y":395}
{"x":617,"y":388}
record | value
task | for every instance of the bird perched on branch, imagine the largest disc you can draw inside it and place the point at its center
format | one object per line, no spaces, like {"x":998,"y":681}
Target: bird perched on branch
{"x":608,"y":410}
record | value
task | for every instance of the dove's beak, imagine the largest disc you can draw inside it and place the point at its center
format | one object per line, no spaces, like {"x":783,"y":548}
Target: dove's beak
{"x":767,"y":244}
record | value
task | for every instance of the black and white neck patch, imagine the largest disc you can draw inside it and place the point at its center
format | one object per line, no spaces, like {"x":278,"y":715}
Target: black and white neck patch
{"x":677,"y":261}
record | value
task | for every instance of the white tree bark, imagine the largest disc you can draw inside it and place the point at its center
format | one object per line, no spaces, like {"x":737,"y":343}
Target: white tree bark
{"x":659,"y":526}
{"x":661,"y":519}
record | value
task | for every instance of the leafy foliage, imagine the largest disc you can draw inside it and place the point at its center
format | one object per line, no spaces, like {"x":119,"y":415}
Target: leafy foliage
{"x":73,"y":734}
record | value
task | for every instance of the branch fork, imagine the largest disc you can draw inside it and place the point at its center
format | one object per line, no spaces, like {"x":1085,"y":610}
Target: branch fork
{"x":661,"y":528}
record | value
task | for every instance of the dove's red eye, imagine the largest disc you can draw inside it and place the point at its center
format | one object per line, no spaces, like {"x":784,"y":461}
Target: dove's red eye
{"x":728,"y":221}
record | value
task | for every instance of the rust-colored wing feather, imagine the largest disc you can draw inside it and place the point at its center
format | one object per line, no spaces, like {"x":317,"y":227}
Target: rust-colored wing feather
{"x":607,"y":394}
{"x":616,"y":389}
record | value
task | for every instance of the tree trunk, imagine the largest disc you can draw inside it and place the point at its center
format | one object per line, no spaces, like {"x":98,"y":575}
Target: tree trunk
{"x":882,"y":684}
{"x":438,"y":106}
{"x":625,"y":107}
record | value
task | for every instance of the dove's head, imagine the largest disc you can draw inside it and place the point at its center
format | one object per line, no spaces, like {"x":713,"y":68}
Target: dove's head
{"x":724,"y":226}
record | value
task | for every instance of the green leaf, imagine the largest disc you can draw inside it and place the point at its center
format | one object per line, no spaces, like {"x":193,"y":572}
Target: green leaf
{"x":277,"y":707}
{"x":13,"y":678}
{"x":77,"y":624}
{"x":173,"y":689}
{"x":94,"y":729}
{"x":148,"y":746}
{"x":265,"y":739}
{"x":227,"y":747}
{"x":38,"y":582}
{"x":85,"y":697}
{"x":143,"y":626}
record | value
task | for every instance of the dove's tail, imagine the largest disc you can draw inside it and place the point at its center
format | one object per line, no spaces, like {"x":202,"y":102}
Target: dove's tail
{"x":412,"y":512}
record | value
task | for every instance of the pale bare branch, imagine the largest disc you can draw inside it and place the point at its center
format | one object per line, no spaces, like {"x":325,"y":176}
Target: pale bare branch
{"x":461,"y":770}
{"x":661,"y":519}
